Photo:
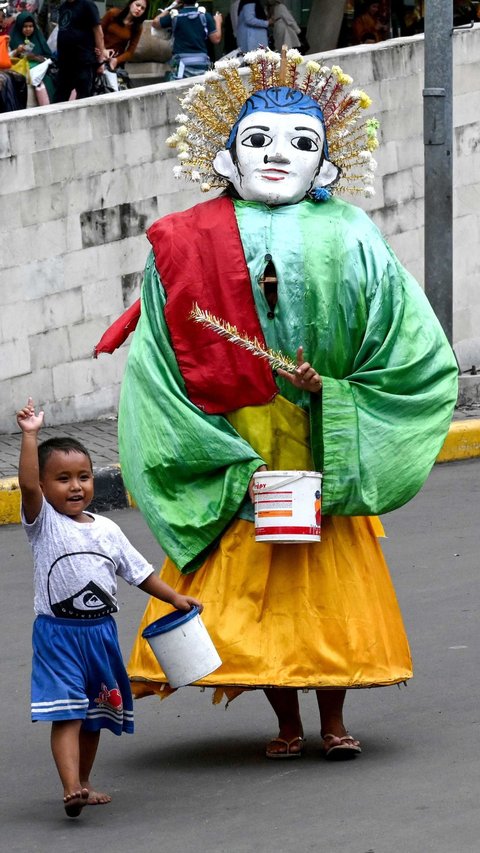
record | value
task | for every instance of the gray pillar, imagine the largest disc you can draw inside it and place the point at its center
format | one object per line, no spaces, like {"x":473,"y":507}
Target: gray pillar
{"x":324,"y":24}
{"x":437,"y":115}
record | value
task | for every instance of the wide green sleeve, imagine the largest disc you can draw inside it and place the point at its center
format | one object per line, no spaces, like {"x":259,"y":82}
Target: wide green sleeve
{"x":376,"y":432}
{"x":187,"y":471}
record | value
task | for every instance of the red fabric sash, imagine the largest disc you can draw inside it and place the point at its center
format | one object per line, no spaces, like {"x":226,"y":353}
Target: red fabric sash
{"x":119,"y":331}
{"x":199,"y":256}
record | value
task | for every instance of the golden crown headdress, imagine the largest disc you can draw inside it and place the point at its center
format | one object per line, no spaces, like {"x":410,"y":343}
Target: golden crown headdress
{"x":210,"y":109}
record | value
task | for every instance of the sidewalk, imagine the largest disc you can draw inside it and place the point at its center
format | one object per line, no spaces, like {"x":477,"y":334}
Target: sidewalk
{"x":100,"y":437}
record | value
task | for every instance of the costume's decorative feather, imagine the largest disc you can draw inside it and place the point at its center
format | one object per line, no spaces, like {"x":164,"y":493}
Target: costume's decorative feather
{"x":226,"y":330}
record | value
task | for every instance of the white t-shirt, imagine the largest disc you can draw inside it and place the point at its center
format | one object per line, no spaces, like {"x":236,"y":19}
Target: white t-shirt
{"x":76,"y":565}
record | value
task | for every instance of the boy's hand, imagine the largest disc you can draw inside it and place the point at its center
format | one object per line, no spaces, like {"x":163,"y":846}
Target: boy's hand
{"x":186,"y":602}
{"x":27,"y":420}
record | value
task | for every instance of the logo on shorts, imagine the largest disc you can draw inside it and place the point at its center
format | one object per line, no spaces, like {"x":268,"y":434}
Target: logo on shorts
{"x":112,"y":698}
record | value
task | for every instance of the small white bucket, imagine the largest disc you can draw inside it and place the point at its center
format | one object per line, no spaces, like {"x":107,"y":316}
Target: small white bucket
{"x":287,"y":506}
{"x":182,"y":646}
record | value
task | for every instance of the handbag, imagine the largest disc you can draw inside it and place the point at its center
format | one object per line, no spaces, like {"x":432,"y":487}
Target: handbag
{"x":111,"y":78}
{"x":5,"y":61}
{"x":102,"y":85}
{"x":22,"y":66}
{"x":37,"y":72}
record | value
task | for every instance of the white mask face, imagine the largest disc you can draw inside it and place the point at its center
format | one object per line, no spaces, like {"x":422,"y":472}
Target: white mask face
{"x":278,"y":157}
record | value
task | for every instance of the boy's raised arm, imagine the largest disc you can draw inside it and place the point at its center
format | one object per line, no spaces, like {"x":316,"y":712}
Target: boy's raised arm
{"x":28,"y":471}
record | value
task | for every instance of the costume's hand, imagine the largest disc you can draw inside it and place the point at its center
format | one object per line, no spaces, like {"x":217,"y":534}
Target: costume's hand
{"x":250,"y":485}
{"x":305,"y":377}
{"x":27,"y":420}
{"x":186,"y":602}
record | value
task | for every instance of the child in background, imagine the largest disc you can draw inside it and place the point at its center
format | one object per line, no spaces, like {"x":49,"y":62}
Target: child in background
{"x":79,"y":682}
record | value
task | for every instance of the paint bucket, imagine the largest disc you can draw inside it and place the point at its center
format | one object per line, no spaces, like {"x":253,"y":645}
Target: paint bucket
{"x":182,"y":646}
{"x":287,"y":506}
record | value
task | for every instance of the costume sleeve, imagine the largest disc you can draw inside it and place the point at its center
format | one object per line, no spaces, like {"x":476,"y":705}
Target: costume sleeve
{"x":377,"y":432}
{"x":188,"y":471}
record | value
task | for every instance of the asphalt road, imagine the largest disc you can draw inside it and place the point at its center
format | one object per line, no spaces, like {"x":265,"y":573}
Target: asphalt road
{"x":193,"y":777}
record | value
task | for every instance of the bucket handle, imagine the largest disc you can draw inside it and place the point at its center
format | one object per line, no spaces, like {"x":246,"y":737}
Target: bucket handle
{"x":280,"y":485}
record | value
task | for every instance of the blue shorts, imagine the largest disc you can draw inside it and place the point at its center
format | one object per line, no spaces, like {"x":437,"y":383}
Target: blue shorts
{"x":78,"y":674}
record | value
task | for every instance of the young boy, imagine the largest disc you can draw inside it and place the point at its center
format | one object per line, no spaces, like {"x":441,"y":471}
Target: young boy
{"x":79,"y":681}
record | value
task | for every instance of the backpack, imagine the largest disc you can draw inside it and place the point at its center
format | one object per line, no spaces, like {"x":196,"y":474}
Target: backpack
{"x":192,"y":16}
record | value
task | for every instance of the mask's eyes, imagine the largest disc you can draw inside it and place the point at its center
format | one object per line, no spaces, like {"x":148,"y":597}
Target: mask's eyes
{"x":257,"y":140}
{"x":305,"y":143}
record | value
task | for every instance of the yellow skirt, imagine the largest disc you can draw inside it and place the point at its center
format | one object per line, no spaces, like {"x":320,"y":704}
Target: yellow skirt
{"x":306,"y":615}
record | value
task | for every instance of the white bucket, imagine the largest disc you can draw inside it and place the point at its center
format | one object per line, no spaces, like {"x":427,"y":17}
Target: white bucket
{"x":182,"y":646}
{"x":287,"y":506}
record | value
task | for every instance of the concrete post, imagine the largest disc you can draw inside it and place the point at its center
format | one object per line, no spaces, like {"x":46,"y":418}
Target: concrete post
{"x":438,"y":159}
{"x":324,"y":24}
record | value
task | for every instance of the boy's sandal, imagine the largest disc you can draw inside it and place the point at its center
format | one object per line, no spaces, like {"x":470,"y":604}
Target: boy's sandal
{"x":287,"y":752}
{"x":340,"y":748}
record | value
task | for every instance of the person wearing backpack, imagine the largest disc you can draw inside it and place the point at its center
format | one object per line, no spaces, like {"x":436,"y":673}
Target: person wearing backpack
{"x":192,"y":28}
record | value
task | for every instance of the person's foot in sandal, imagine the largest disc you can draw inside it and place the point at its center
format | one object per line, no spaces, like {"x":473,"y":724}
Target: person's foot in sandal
{"x":341,"y":748}
{"x":281,"y":748}
{"x":74,"y":801}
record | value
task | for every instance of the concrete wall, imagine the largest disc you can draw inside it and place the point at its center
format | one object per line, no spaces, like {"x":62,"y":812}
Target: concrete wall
{"x":81,"y":181}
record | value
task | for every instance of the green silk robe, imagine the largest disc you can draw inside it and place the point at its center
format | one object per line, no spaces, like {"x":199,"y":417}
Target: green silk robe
{"x":389,"y":381}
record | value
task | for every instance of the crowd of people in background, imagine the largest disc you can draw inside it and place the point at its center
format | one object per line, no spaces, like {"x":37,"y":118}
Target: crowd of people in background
{"x":76,"y":53}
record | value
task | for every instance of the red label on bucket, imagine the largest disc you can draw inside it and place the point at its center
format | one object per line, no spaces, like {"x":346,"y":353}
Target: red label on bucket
{"x":286,"y":531}
{"x":287,"y":506}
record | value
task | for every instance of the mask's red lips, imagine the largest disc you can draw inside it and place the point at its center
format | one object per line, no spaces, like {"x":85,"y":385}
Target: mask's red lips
{"x":273,"y":174}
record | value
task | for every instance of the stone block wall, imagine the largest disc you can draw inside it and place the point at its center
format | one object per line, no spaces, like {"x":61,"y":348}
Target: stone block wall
{"x":80,"y":182}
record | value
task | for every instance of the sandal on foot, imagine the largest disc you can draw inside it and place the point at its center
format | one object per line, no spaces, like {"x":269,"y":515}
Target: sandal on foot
{"x":340,"y":748}
{"x":287,"y":752}
{"x":74,"y":803}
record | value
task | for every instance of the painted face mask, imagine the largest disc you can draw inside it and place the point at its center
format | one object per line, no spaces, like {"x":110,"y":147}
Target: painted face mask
{"x":277,"y":151}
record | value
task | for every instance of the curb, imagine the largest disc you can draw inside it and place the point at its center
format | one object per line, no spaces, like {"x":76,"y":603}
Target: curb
{"x":110,"y":493}
{"x":462,"y":442}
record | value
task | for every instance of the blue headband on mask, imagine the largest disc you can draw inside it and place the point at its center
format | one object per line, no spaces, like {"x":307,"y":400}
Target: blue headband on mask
{"x":279,"y":99}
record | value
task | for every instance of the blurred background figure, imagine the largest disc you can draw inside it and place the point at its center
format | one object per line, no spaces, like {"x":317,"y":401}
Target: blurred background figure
{"x":252,"y":26}
{"x":192,"y":28}
{"x":230,"y":28}
{"x":370,"y":23}
{"x":285,"y":29}
{"x":80,"y":48}
{"x":27,"y":42}
{"x":6,"y":19}
{"x":121,"y":31}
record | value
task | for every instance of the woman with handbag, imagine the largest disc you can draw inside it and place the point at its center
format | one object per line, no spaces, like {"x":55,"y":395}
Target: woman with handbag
{"x":28,"y":43}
